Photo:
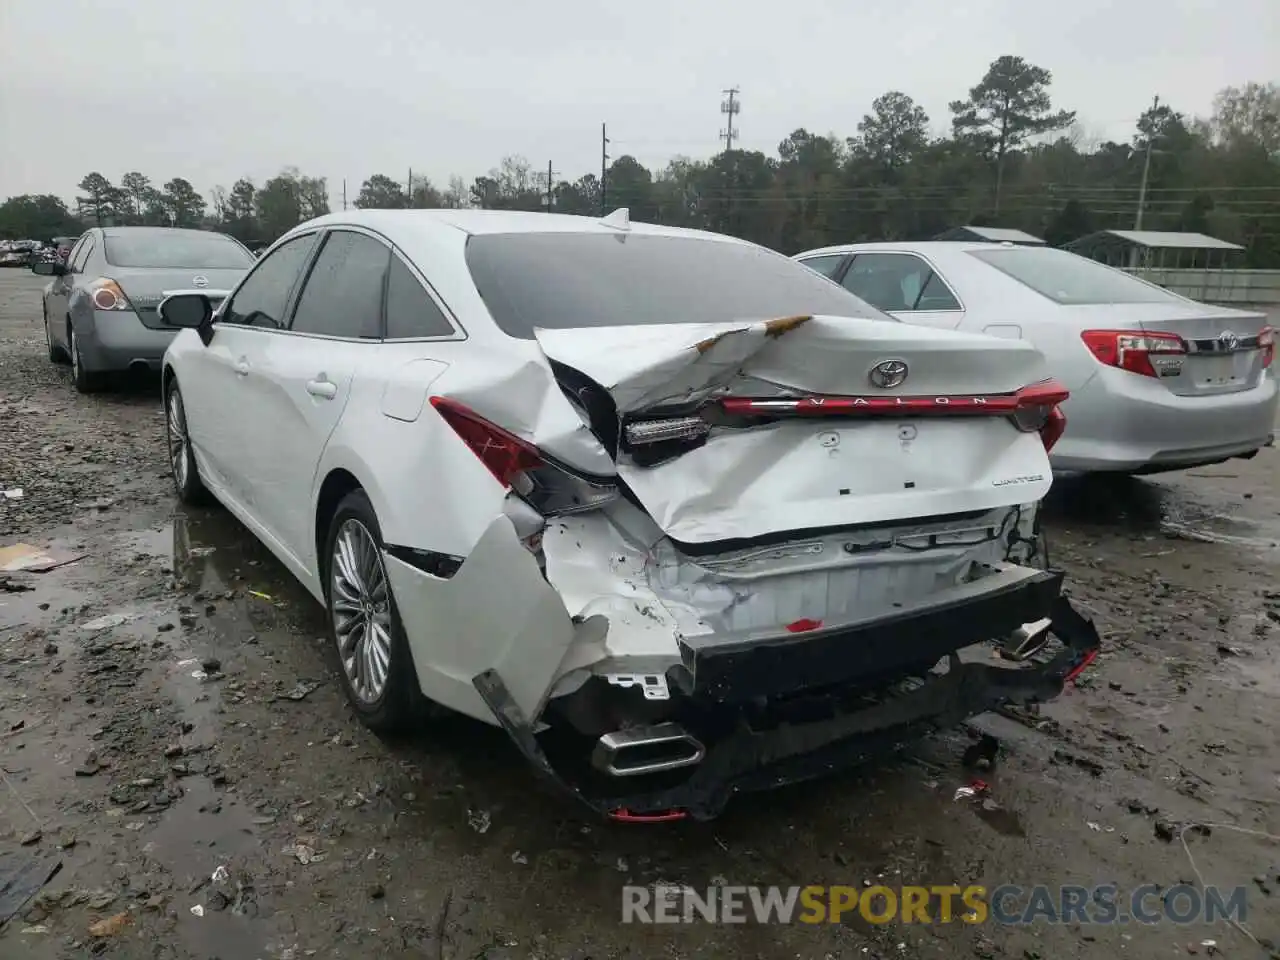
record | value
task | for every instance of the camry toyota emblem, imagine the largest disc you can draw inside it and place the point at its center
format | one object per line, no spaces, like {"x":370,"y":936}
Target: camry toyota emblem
{"x":1228,"y":340}
{"x":888,"y":374}
{"x":200,"y":282}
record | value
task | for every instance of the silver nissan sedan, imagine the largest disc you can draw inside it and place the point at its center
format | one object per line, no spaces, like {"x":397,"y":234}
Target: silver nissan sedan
{"x":100,"y":309}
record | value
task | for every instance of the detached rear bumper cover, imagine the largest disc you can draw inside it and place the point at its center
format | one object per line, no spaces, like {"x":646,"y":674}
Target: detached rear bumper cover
{"x":750,"y":760}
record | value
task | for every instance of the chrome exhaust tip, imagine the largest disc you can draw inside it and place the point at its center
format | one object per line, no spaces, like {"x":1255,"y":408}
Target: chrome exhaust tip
{"x":1028,"y":640}
{"x":651,"y":749}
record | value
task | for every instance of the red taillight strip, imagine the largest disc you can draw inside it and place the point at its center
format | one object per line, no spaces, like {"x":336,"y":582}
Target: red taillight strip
{"x":1046,"y":393}
{"x":623,"y":815}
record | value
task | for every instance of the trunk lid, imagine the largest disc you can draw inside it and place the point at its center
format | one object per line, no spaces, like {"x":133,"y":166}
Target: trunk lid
{"x":146,"y":287}
{"x":1223,"y":354}
{"x":937,"y":443}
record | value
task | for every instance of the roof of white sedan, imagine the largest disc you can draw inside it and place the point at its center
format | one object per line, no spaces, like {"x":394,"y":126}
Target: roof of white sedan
{"x":503,"y":221}
{"x":923,"y":246}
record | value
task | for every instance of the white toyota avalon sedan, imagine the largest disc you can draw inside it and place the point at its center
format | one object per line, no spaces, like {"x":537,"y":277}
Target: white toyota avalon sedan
{"x":680,"y":515}
{"x":1158,"y":382}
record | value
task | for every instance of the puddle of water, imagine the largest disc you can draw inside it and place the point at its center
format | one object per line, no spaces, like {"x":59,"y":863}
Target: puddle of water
{"x":208,"y":834}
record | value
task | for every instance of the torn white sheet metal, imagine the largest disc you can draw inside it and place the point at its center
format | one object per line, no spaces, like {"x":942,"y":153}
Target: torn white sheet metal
{"x":615,"y":566}
{"x":497,"y":612}
{"x":643,"y":366}
{"x":807,"y":474}
{"x":521,"y":394}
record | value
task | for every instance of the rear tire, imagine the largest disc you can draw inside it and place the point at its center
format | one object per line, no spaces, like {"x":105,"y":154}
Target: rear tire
{"x":376,"y":664}
{"x":182,"y":462}
{"x":84,"y":380}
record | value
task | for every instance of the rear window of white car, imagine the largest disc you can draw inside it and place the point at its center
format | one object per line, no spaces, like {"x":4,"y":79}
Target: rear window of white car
{"x":1068,"y":279}
{"x":194,"y":250}
{"x":566,"y":280}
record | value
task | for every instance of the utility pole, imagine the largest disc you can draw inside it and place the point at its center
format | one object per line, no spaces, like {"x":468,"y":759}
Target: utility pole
{"x":408,"y":195}
{"x":550,"y":188}
{"x":344,"y":193}
{"x":731,"y":106}
{"x":604,"y":170}
{"x":1146,"y":168}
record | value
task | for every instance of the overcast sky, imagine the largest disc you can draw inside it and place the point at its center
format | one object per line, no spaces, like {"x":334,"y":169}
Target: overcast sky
{"x":213,"y":90}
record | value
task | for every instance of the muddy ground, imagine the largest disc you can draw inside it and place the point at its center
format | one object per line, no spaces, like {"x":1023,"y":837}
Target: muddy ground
{"x":143,"y":767}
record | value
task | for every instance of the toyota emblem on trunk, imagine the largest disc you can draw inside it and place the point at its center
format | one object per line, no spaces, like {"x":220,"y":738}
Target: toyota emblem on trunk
{"x":200,"y":282}
{"x":1228,"y":340}
{"x":888,"y":374}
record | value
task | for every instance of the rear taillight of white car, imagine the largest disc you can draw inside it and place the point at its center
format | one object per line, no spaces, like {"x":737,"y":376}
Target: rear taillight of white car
{"x":1267,"y":344}
{"x":1147,"y":354}
{"x":552,"y":490}
{"x":107,"y":295}
{"x":1039,"y":411}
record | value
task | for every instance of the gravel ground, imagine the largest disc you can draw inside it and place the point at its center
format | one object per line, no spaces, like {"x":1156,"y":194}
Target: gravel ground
{"x":203,"y":728}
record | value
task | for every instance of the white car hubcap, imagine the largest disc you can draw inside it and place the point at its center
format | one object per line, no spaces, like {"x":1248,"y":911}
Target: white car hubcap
{"x":177,"y":440}
{"x":360,"y":604}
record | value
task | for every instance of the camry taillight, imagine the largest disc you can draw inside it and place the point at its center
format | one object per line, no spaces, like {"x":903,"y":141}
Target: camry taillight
{"x":518,"y":465}
{"x":1133,"y":350}
{"x":1267,"y":344}
{"x":107,"y":295}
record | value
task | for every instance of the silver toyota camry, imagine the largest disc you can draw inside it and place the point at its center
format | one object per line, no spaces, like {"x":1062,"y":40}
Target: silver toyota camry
{"x":100,"y":308}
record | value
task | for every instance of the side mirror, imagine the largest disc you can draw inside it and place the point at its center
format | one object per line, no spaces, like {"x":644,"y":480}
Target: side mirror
{"x":49,"y":268}
{"x":191,"y":311}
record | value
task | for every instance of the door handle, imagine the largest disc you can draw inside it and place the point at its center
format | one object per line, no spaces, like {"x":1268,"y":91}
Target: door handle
{"x":322,"y":388}
{"x":241,"y":368}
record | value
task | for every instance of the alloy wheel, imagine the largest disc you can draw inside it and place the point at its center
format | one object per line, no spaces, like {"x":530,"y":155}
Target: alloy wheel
{"x":360,"y":605}
{"x":177,"y":439}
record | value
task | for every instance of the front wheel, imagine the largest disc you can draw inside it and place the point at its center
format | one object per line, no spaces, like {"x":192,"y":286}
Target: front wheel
{"x":377,"y":668}
{"x":56,"y":354}
{"x":182,"y":461}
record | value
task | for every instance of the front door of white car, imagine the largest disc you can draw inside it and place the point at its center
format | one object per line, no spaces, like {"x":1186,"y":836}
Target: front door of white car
{"x":301,"y":380}
{"x":906,"y":286}
{"x":215,"y":381}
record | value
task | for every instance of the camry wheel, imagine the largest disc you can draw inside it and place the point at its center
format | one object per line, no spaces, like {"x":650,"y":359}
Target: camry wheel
{"x":373,"y":653}
{"x":84,"y":380}
{"x":182,"y":462}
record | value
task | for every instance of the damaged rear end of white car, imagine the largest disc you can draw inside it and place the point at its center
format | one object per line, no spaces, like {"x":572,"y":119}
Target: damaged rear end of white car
{"x":724,"y":556}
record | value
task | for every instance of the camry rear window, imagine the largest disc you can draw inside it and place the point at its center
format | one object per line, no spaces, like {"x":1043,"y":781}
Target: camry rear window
{"x":194,"y":250}
{"x":1068,"y":279}
{"x":566,"y":280}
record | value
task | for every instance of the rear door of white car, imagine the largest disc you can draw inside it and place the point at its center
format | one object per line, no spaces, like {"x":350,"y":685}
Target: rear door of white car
{"x":906,"y":286}
{"x":303,"y":378}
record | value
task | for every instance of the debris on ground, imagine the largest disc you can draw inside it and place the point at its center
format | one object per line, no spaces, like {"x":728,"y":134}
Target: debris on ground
{"x":25,"y":557}
{"x":975,"y":788}
{"x":108,"y":621}
{"x":304,"y":851}
{"x":112,"y":926}
{"x":479,"y":820}
{"x":300,"y":690}
{"x":14,"y":493}
{"x":21,"y":878}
